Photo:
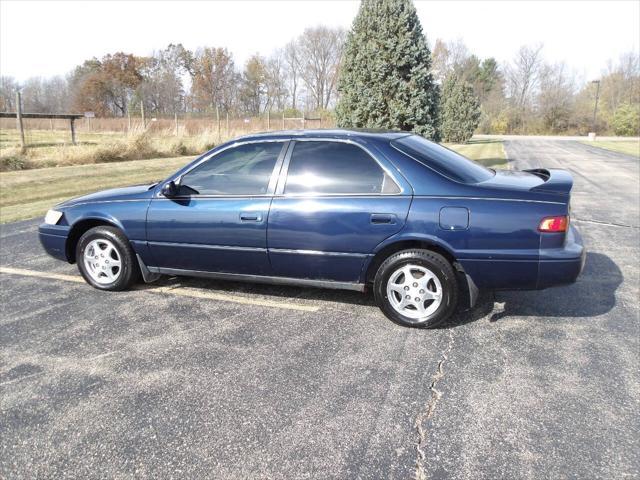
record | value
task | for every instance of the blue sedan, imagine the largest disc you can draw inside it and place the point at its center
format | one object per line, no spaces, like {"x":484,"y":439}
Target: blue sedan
{"x":420,"y":225}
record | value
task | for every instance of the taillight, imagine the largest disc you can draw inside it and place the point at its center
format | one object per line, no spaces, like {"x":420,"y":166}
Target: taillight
{"x":554,"y":224}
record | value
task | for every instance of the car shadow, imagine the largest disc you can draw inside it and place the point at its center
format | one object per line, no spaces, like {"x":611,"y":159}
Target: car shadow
{"x":593,"y":294}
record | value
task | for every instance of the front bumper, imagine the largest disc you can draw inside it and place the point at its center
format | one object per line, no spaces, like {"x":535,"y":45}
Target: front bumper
{"x":54,"y":240}
{"x":561,"y":266}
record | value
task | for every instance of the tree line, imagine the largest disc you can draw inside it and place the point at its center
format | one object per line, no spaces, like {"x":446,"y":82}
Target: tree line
{"x":382,"y":73}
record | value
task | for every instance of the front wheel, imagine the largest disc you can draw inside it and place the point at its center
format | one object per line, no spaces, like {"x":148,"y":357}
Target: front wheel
{"x":105,"y":259}
{"x":416,"y":288}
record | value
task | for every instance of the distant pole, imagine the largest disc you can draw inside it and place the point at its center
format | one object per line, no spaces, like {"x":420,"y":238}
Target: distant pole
{"x":73,"y":130}
{"x":19,"y":124}
{"x":51,"y":124}
{"x":283,"y":119}
{"x":227,"y":122}
{"x":303,"y":120}
{"x":175,"y":121}
{"x":269,"y":118}
{"x":129,"y":120}
{"x":144,"y":121}
{"x":218,"y":120}
{"x":595,"y":107}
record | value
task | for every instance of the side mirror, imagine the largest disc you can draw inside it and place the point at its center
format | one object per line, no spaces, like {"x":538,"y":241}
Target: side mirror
{"x":170,"y":189}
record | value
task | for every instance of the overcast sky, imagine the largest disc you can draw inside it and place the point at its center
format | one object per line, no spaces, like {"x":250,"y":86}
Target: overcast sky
{"x":50,"y":38}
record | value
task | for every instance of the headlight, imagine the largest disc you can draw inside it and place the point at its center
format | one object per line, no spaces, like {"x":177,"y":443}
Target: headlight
{"x":52,"y":217}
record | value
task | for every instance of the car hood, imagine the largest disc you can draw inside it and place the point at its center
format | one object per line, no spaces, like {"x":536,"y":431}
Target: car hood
{"x":122,"y":193}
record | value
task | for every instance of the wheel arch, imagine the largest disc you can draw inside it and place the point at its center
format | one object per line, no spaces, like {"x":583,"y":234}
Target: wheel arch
{"x":389,"y":248}
{"x":469,"y":291}
{"x":79,"y":228}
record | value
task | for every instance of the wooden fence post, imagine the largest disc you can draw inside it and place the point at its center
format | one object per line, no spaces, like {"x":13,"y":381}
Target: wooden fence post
{"x":128,"y":120}
{"x":228,"y":134}
{"x":269,"y":118}
{"x":283,"y":119}
{"x":19,"y":124}
{"x":175,"y":120}
{"x":144,"y":120}
{"x":73,"y":130}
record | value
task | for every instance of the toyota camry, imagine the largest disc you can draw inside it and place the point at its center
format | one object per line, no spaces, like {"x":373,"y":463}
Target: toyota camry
{"x":421,"y":226}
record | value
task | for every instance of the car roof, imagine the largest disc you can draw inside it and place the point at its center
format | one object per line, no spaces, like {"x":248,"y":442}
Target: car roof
{"x":326,"y":133}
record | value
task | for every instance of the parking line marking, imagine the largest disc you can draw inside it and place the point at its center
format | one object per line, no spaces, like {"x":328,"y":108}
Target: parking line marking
{"x":181,"y":291}
{"x":35,"y":273}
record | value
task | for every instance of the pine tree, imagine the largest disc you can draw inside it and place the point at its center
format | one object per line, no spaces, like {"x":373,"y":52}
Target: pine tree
{"x":385,"y":79}
{"x":460,"y":110}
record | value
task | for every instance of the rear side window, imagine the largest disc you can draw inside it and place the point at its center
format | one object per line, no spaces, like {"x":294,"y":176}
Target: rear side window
{"x":242,"y":170}
{"x":325,"y":167}
{"x":442,"y":160}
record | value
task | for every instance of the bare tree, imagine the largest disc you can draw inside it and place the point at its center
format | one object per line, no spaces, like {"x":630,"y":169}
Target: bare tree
{"x":523,"y":75}
{"x":292,"y":61}
{"x":321,"y":52}
{"x":275,"y":80}
{"x":556,"y":98}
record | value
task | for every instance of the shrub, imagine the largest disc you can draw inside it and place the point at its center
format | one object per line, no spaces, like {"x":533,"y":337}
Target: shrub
{"x":626,"y":120}
{"x":460,"y":110}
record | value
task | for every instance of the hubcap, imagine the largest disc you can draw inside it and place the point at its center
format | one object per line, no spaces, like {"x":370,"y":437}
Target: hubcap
{"x":102,"y":261}
{"x":414,"y":291}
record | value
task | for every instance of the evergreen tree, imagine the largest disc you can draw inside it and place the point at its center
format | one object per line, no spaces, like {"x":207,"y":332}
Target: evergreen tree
{"x":460,"y":110}
{"x":385,"y":79}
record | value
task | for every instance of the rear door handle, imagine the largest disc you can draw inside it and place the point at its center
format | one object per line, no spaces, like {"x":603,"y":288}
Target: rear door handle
{"x":383,"y":218}
{"x":251,"y":216}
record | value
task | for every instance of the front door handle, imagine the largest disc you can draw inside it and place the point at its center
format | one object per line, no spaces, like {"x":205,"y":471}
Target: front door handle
{"x":383,"y":218}
{"x":251,"y":216}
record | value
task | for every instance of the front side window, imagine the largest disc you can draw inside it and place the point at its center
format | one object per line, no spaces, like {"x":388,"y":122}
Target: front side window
{"x":324,"y":167}
{"x":242,"y":170}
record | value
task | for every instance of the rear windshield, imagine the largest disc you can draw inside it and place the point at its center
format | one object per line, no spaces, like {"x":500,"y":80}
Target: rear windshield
{"x":442,"y":160}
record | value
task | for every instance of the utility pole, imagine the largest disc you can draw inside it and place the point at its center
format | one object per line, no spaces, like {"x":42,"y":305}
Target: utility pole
{"x":595,"y":108}
{"x":19,"y":124}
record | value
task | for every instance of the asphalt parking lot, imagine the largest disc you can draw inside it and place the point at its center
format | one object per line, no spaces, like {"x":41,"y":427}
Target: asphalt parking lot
{"x":202,"y":379}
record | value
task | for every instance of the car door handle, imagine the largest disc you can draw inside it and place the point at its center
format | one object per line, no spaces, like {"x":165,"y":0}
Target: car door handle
{"x":251,"y":216}
{"x":383,"y":218}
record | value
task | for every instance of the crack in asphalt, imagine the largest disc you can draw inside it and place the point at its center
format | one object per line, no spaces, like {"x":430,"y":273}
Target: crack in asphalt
{"x":427,"y":414}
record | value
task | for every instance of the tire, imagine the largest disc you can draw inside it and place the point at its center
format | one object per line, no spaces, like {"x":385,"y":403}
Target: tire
{"x":426,"y":298}
{"x":106,"y":260}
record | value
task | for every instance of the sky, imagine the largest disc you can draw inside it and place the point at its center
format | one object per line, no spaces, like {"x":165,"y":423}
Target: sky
{"x":46,"y":38}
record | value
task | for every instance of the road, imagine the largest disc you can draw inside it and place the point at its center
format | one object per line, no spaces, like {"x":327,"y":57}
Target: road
{"x":203,"y":379}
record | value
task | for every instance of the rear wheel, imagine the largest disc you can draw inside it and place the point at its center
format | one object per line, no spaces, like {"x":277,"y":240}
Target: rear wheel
{"x":105,"y":259}
{"x":416,"y":288}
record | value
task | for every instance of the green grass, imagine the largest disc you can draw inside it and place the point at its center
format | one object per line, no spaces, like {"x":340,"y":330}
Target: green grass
{"x":628,"y":147}
{"x":30,"y":193}
{"x":489,"y":153}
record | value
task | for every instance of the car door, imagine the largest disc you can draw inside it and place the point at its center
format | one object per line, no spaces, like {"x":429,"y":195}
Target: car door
{"x":218,"y":220}
{"x":334,"y":203}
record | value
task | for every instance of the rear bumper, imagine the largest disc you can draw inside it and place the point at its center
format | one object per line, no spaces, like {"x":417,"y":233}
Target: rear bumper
{"x":53,"y":239}
{"x":553,"y":266}
{"x":561,"y":266}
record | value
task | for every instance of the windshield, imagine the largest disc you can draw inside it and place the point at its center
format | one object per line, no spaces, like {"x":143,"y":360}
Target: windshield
{"x":442,"y":160}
